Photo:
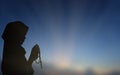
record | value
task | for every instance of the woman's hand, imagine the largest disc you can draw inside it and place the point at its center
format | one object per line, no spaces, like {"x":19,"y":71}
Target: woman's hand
{"x":34,"y":53}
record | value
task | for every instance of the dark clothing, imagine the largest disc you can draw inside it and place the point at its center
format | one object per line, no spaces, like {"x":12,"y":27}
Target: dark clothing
{"x":14,"y":61}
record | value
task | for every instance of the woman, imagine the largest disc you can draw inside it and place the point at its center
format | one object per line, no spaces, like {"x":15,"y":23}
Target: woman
{"x":14,"y":61}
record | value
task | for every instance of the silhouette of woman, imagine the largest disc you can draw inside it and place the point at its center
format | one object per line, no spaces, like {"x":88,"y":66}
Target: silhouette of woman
{"x":14,"y":61}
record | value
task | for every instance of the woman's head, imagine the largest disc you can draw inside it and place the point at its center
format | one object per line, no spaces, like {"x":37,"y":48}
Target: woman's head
{"x":15,"y":32}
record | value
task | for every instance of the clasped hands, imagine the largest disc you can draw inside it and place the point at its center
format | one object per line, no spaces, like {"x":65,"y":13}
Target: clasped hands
{"x":34,"y":53}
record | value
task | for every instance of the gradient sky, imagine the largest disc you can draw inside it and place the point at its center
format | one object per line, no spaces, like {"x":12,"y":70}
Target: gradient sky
{"x":71,"y":33}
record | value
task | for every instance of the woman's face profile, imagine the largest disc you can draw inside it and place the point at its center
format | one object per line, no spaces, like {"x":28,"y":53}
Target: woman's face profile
{"x":15,"y":32}
{"x":21,"y":40}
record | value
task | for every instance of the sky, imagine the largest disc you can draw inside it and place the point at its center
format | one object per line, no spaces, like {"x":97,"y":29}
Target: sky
{"x":75,"y":34}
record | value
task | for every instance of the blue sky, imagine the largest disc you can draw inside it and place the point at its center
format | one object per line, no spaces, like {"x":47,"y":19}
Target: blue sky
{"x":71,"y":33}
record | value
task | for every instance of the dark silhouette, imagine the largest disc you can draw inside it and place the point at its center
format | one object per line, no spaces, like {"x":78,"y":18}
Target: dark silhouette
{"x":14,"y":61}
